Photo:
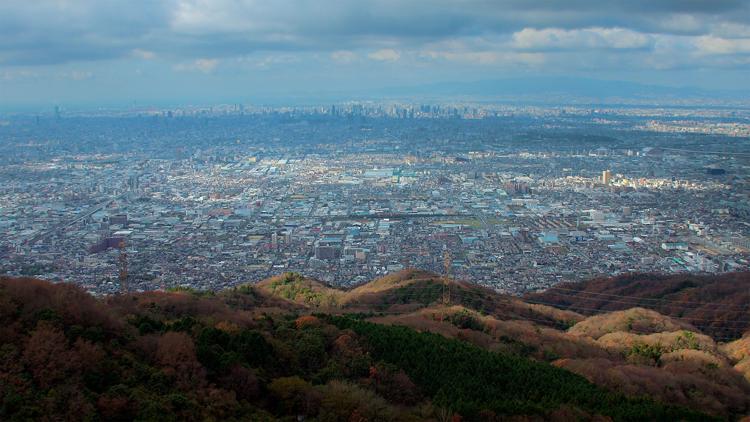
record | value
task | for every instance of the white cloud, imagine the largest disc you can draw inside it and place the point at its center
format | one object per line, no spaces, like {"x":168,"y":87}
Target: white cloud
{"x":680,"y":23}
{"x":715,"y":45}
{"x":571,"y":39}
{"x":143,"y":54}
{"x":78,"y":75}
{"x":385,"y":55}
{"x":343,"y":56}
{"x":487,"y":57}
{"x":17,"y":74}
{"x":206,"y":65}
{"x":275,"y":59}
{"x":199,"y":65}
{"x":481,"y":50}
{"x":731,"y":30}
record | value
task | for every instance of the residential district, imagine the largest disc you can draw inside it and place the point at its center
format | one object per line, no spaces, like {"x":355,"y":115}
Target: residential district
{"x":516,"y":198}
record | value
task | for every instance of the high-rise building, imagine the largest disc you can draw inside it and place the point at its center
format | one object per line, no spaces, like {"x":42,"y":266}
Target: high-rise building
{"x":327,"y":252}
{"x":606,"y":177}
{"x":118,"y":219}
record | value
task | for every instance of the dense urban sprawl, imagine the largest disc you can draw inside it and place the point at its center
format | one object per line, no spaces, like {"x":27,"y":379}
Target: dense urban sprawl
{"x":514,"y":197}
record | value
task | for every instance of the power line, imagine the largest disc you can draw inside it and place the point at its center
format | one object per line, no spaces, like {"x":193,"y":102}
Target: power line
{"x":522,"y":318}
{"x":548,"y":323}
{"x":448,"y":263}
{"x":600,"y":311}
{"x":644,"y":298}
{"x":634,"y":298}
{"x":474,"y":296}
{"x":573,"y":306}
{"x":122,"y":263}
{"x":556,"y":305}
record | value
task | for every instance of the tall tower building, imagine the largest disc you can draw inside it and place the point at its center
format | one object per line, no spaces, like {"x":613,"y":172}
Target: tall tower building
{"x":606,"y":177}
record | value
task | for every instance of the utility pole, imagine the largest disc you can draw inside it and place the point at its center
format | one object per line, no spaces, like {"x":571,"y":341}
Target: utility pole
{"x":122,"y":262}
{"x":447,"y":263}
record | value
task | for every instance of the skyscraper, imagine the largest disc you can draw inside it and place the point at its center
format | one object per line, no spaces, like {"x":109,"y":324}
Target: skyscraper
{"x":606,"y":177}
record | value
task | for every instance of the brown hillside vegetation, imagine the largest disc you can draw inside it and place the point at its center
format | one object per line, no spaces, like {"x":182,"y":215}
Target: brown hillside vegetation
{"x":718,"y":305}
{"x":738,"y":352}
{"x":637,"y":320}
{"x":188,"y":355}
{"x":397,"y":279}
{"x":636,"y":337}
{"x":408,"y":291}
{"x":301,"y":290}
{"x":637,"y":352}
{"x":624,"y":342}
{"x":656,"y":355}
{"x":509,"y":335}
{"x":716,"y":390}
{"x":653,"y":354}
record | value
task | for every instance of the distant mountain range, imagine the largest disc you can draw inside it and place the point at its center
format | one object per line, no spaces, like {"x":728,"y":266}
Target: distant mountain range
{"x":540,"y":90}
{"x":562,"y":90}
{"x":535,"y":90}
{"x":411,"y":346}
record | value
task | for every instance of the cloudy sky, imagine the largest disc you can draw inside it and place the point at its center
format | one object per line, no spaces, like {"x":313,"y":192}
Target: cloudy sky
{"x":89,"y":51}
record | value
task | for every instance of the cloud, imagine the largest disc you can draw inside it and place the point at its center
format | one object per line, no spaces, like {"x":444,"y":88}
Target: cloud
{"x":484,"y":51}
{"x":722,"y":46}
{"x":681,"y":23}
{"x":604,"y":38}
{"x":731,"y":30}
{"x":301,"y":40}
{"x":199,"y":65}
{"x":143,"y":54}
{"x":77,"y":75}
{"x":273,"y":60}
{"x":344,"y":56}
{"x":385,"y":55}
{"x":17,"y":74}
{"x":487,"y":57}
{"x":60,"y":31}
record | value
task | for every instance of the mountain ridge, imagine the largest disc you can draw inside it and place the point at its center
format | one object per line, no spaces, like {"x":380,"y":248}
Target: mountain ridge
{"x":233,"y":353}
{"x":719,"y":305}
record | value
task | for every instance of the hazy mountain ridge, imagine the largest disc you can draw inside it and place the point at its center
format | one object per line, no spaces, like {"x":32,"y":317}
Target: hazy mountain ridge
{"x":567,"y":90}
{"x":718,"y":305}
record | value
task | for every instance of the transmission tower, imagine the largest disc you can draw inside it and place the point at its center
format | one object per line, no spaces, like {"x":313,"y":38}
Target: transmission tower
{"x":122,"y":264}
{"x":447,"y":263}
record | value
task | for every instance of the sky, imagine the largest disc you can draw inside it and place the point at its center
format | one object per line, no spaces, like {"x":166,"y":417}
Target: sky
{"x":202,"y":51}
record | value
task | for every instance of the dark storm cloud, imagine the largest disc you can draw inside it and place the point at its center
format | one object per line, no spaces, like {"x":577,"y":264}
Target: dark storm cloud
{"x":46,"y":31}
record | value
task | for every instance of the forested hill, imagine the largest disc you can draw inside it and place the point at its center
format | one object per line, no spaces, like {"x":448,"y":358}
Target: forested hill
{"x":718,"y":305}
{"x":244,"y":355}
